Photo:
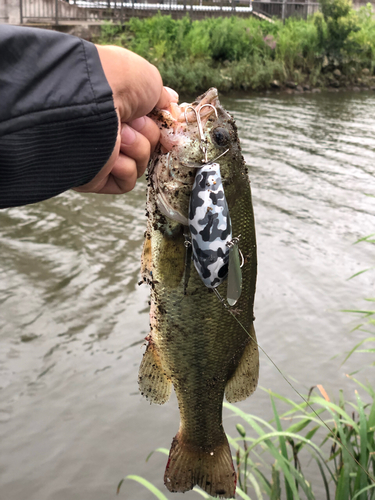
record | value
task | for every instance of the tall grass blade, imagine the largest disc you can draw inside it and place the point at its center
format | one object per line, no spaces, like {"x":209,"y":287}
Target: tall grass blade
{"x":164,"y":451}
{"x":335,"y":410}
{"x":355,"y":348}
{"x":202,"y":493}
{"x":267,"y":486}
{"x":266,"y":438}
{"x":360,"y":492}
{"x":325,"y":482}
{"x":363,"y":447}
{"x":366,"y":388}
{"x":153,"y":489}
{"x":299,"y":426}
{"x":293,"y":404}
{"x":371,"y":430}
{"x":359,"y":272}
{"x":255,"y":485}
{"x":365,"y":238}
{"x":272,"y":448}
{"x":312,"y":432}
{"x":284,"y":452}
{"x":359,"y":311}
{"x":286,"y":466}
{"x":242,"y":494}
{"x":342,"y":490}
{"x":250,"y":419}
{"x":305,"y":485}
{"x":276,"y":488}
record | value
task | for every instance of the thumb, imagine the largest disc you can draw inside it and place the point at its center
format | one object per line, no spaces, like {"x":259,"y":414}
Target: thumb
{"x":167,"y":96}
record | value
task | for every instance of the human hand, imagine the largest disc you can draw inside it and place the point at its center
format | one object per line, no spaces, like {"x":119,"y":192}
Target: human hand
{"x":137,"y":88}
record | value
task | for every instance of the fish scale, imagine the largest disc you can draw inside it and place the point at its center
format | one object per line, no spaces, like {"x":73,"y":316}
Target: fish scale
{"x":195,"y":344}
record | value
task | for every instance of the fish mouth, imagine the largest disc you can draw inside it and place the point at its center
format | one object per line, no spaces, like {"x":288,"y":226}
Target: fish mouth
{"x":178,"y":122}
{"x":180,"y":153}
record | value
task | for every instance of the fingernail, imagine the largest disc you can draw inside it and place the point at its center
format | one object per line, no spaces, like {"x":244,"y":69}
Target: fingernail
{"x":172,"y":93}
{"x":127,"y":135}
{"x":138,"y":123}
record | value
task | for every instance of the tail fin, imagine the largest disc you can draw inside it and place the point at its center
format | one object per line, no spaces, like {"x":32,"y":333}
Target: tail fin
{"x":212,"y":470}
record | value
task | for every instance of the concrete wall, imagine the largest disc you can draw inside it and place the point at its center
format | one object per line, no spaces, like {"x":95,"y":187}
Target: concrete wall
{"x":3,"y":11}
{"x":10,"y":11}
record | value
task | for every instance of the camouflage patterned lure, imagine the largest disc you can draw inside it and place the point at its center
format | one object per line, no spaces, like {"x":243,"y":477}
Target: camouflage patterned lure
{"x":199,"y":192}
{"x":210,"y":225}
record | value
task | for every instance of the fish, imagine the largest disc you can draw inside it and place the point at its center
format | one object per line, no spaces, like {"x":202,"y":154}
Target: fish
{"x":198,"y":343}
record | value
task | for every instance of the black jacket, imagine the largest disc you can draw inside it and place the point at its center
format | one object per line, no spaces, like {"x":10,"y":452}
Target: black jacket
{"x":58,"y":124}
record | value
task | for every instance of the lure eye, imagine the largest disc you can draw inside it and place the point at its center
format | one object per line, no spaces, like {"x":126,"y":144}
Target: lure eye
{"x":221,"y":136}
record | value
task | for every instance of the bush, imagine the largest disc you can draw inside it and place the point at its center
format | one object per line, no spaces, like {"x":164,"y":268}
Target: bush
{"x":341,"y":22}
{"x":364,"y":38}
{"x":235,"y":53}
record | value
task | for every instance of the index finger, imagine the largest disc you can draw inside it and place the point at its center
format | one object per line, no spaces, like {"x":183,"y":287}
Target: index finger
{"x":135,"y":146}
{"x":148,"y":128}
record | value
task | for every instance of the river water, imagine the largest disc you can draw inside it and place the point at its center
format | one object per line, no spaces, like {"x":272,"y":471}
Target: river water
{"x":72,"y":317}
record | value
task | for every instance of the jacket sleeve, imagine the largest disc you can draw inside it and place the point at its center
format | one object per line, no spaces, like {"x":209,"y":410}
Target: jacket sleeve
{"x":58,"y":124}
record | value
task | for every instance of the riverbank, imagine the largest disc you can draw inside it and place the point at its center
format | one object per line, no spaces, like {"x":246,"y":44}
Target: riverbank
{"x":333,"y":49}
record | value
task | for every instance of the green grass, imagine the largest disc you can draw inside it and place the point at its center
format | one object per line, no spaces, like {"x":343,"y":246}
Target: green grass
{"x":249,"y":54}
{"x":268,"y":454}
{"x":367,"y":317}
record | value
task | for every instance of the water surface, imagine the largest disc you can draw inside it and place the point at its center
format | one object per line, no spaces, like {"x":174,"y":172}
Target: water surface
{"x":72,"y":317}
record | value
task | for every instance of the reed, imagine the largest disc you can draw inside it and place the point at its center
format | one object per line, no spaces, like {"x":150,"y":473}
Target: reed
{"x":366,"y":315}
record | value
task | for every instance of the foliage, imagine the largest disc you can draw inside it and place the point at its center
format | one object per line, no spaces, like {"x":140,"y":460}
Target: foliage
{"x":351,"y":436}
{"x":236,"y":53}
{"x":254,"y":74}
{"x":367,"y":324}
{"x":365,"y":37}
{"x":297,"y":45}
{"x":341,"y":21}
{"x":269,"y":457}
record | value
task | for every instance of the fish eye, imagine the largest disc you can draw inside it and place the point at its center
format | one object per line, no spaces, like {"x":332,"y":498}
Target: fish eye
{"x":221,"y":136}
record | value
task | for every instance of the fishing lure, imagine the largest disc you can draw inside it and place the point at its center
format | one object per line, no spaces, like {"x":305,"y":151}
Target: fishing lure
{"x":210,"y":225}
{"x":215,"y":253}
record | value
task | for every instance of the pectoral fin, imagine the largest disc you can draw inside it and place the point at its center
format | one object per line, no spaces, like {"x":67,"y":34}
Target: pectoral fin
{"x":152,"y":379}
{"x":245,"y":378}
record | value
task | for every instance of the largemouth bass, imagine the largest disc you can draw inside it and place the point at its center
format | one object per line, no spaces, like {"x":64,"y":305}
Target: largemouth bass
{"x":195,"y":343}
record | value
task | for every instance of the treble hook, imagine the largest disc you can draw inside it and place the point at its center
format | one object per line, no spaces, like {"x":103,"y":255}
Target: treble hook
{"x":200,"y":128}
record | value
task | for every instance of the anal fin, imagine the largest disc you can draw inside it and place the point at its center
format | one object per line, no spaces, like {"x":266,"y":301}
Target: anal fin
{"x":245,"y":379}
{"x":152,"y":379}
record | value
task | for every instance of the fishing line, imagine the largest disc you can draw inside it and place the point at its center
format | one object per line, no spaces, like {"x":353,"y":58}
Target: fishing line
{"x":291,"y":385}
